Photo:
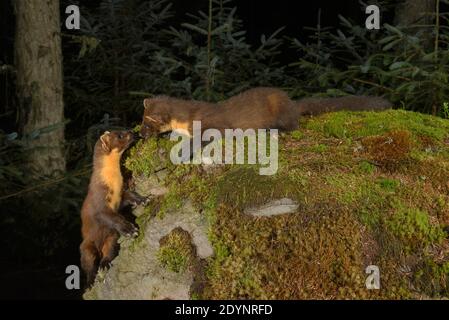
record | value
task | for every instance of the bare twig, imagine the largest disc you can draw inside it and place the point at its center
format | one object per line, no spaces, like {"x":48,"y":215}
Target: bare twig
{"x":42,"y":185}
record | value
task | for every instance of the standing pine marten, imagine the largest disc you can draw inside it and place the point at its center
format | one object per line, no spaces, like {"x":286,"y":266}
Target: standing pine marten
{"x":258,"y":108}
{"x":102,"y":222}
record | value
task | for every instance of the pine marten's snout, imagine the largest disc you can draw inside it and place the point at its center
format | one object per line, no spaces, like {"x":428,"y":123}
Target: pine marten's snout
{"x":128,"y":137}
{"x":143,"y":133}
{"x":148,"y":130}
{"x":117,"y":140}
{"x":155,"y":120}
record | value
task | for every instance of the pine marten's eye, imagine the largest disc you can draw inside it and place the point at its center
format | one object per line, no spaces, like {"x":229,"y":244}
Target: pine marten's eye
{"x":120,"y":136}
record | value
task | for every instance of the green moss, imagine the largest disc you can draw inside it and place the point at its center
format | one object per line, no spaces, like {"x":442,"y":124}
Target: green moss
{"x":319,"y":148}
{"x":176,"y":252}
{"x":137,"y":128}
{"x":354,"y":189}
{"x":366,"y":167}
{"x":141,"y":223}
{"x":172,"y":259}
{"x":433,"y":278}
{"x":370,"y":217}
{"x":195,"y":296}
{"x":297,"y":135}
{"x":362,"y":124}
{"x":171,"y":201}
{"x":150,"y":155}
{"x":412,"y":227}
{"x":388,"y":184}
{"x":244,"y":186}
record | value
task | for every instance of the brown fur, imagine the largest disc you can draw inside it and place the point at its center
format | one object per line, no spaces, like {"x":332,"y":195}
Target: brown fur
{"x":256,"y":108}
{"x":101,"y":221}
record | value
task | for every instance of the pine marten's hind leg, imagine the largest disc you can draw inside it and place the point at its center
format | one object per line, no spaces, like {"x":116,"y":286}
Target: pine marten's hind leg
{"x":89,"y":261}
{"x":109,"y":250}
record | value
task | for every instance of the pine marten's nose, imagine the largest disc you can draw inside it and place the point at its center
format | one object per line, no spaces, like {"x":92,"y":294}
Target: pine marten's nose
{"x":141,"y":135}
{"x":135,"y":135}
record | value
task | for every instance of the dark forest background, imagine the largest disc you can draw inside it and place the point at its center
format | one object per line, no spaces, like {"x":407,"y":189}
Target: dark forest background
{"x":127,"y":50}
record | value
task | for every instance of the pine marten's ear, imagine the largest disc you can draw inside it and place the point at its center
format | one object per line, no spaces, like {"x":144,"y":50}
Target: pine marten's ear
{"x":146,"y":103}
{"x":105,"y":138}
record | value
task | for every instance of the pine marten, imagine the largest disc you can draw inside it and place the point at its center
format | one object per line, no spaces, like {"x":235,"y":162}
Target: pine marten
{"x":258,"y":108}
{"x":102,"y":222}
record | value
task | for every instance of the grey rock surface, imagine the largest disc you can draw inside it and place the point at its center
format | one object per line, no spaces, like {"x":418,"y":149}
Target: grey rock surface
{"x":136,"y":272}
{"x":273,"y":208}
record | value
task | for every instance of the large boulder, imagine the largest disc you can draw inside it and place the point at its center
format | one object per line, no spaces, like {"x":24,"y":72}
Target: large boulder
{"x":353,"y":190}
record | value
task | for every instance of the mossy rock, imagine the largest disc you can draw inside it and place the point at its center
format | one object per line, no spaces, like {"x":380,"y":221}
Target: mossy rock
{"x":370,"y":189}
{"x":176,"y":252}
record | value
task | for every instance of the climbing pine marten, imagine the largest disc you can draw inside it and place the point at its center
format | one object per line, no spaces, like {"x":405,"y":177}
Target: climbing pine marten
{"x":102,"y":222}
{"x":258,"y":108}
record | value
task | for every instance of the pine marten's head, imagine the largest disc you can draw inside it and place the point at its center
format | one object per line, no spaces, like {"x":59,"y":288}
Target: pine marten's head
{"x":156,"y":118}
{"x":114,"y":142}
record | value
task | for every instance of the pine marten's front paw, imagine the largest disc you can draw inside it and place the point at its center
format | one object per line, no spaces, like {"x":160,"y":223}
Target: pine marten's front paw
{"x":127,"y":229}
{"x":134,"y":199}
{"x":143,"y":201}
{"x":139,"y":200}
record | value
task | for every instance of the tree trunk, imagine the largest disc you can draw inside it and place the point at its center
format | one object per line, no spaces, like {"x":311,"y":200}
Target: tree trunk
{"x":411,"y":12}
{"x":40,"y":84}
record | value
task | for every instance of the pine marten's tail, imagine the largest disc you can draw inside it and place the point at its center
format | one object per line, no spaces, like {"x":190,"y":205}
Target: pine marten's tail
{"x":314,"y":106}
